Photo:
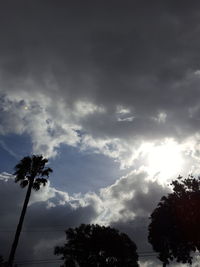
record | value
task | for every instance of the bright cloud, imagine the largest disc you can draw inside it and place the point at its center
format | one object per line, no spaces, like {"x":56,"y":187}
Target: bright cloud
{"x":164,"y":160}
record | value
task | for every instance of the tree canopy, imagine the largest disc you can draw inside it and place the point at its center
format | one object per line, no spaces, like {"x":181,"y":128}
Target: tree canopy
{"x":94,"y":245}
{"x":174,"y":228}
{"x":2,"y":262}
{"x":32,"y":169}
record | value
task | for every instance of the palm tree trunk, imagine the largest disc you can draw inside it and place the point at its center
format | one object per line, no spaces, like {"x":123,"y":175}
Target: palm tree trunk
{"x":19,"y":227}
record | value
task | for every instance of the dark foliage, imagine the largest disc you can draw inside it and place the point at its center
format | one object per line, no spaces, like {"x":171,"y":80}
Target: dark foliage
{"x":32,"y":168}
{"x":94,"y":245}
{"x":174,"y":228}
{"x":2,"y":262}
{"x":31,"y":172}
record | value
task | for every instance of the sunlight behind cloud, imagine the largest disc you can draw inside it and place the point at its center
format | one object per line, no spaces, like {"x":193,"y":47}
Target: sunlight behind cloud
{"x":164,"y":161}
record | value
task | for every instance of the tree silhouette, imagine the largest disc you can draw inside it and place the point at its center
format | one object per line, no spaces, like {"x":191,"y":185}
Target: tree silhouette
{"x":31,"y":172}
{"x":174,"y":228}
{"x":2,"y":262}
{"x":94,"y":245}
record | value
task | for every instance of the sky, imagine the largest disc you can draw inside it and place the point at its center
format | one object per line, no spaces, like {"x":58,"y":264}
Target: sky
{"x":109,"y":92}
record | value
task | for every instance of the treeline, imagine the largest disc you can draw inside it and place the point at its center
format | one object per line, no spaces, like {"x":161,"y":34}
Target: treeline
{"x":173,"y":230}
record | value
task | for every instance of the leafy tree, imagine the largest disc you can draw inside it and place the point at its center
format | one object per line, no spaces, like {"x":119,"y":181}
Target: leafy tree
{"x":94,"y":245}
{"x":2,"y":262}
{"x":174,"y":228}
{"x":31,"y":172}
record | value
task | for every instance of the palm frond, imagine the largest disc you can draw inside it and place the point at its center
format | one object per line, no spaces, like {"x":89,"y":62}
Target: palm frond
{"x":24,"y":183}
{"x":32,"y":168}
{"x":46,"y":172}
{"x":36,"y":186}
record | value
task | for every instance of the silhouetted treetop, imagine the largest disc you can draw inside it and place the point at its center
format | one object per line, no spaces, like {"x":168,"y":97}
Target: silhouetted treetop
{"x":174,"y":228}
{"x":94,"y":245}
{"x":31,"y":172}
{"x":32,"y":168}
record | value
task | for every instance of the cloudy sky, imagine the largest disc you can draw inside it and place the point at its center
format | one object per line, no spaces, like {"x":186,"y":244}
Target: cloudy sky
{"x":109,"y":91}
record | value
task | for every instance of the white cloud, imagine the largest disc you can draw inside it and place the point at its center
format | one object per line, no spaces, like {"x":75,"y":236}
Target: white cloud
{"x":121,"y":201}
{"x":51,"y":118}
{"x":42,"y":119}
{"x":4,"y":176}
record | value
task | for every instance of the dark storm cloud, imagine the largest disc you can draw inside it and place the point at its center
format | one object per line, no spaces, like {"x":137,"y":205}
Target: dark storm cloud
{"x":110,"y":41}
{"x":48,"y":228}
{"x":139,"y":54}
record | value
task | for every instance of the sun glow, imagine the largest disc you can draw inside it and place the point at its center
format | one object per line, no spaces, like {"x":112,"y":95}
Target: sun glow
{"x":164,"y":161}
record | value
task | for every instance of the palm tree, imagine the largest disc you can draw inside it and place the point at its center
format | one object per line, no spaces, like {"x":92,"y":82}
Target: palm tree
{"x":29,"y":171}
